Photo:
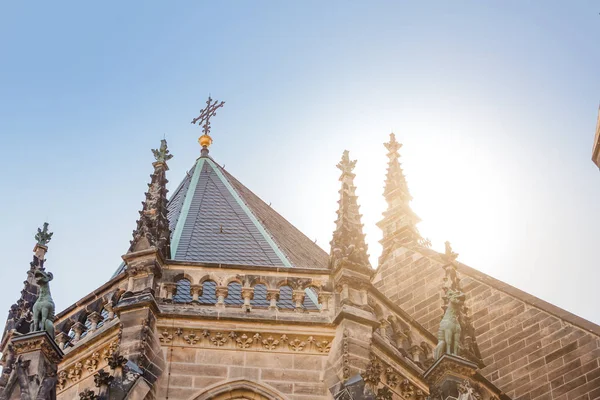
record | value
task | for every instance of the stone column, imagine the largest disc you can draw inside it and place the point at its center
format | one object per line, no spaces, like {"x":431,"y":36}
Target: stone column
{"x":417,"y":353}
{"x":273,"y":297}
{"x":196,"y":292}
{"x":221,"y":292}
{"x":78,"y":328}
{"x":323,"y":299}
{"x":94,"y":318}
{"x":298,"y":296}
{"x":247,"y":295}
{"x":62,"y":339}
{"x":109,"y":309}
{"x":170,"y":290}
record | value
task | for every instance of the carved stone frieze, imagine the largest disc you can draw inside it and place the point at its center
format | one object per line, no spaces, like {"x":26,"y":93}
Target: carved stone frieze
{"x":391,"y":377}
{"x":191,"y":338}
{"x":394,"y":379}
{"x":245,"y":340}
{"x":72,"y":373}
{"x":88,"y":394}
{"x":384,"y":394}
{"x":297,"y":344}
{"x":372,"y":374}
{"x":469,"y":390}
{"x":166,"y":337}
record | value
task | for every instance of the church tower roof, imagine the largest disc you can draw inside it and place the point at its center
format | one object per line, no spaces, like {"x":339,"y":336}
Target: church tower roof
{"x":216,"y":219}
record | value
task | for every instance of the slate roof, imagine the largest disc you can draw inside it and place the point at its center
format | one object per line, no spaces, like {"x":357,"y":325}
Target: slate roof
{"x":215,"y":219}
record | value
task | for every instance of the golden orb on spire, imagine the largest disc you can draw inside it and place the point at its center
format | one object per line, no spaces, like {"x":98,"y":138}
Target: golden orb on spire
{"x":205,"y":140}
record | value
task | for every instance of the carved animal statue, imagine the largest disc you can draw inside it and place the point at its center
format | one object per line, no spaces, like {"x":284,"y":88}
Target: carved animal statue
{"x":450,"y":330}
{"x":43,"y":309}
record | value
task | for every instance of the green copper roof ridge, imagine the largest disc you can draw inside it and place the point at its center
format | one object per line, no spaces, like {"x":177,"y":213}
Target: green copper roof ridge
{"x":263,"y":231}
{"x":185,"y":208}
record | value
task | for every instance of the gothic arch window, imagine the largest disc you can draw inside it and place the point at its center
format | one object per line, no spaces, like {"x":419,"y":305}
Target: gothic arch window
{"x":182,"y":292}
{"x":240,"y":390}
{"x":285,"y":298}
{"x":260,"y":296}
{"x":209,"y":295}
{"x":234,"y":294}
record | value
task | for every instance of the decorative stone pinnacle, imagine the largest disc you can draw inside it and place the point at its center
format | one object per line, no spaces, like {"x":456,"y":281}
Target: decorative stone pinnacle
{"x":43,"y":237}
{"x":204,"y":118}
{"x":348,"y":246}
{"x":162,"y":154}
{"x":345,"y":165}
{"x":449,"y":255}
{"x":393,"y":146}
{"x":399,"y":223}
{"x":153,"y":226}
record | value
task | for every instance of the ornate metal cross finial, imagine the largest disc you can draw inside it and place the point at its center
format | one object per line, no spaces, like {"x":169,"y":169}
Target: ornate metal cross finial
{"x":43,"y":236}
{"x":162,"y":154}
{"x":209,"y":111}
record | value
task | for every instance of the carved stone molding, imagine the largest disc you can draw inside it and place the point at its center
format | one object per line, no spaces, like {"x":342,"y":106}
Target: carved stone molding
{"x":38,"y":341}
{"x":449,"y":365}
{"x":245,"y":340}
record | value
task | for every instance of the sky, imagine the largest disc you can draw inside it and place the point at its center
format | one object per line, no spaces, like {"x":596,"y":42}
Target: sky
{"x":495,"y":103}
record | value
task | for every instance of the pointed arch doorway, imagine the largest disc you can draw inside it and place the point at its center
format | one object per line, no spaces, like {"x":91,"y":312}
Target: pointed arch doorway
{"x":240,"y":390}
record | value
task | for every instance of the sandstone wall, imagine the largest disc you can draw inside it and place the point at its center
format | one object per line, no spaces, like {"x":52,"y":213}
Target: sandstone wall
{"x":531,"y":349}
{"x":191,"y":371}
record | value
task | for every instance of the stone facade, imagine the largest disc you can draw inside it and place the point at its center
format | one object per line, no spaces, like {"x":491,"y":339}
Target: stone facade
{"x":530,"y":349}
{"x":220,"y":298}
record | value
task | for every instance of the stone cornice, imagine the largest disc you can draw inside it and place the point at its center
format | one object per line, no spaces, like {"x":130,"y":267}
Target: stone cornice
{"x":355,"y":314}
{"x":446,"y":364}
{"x":233,"y":313}
{"x":209,"y":266}
{"x":37,"y":341}
{"x":139,"y":300}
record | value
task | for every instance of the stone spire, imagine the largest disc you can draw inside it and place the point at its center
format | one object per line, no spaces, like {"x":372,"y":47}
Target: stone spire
{"x":348,"y":247}
{"x":29,"y":354}
{"x":20,"y":313}
{"x":399,"y":221}
{"x":456,"y":335}
{"x":153,"y":226}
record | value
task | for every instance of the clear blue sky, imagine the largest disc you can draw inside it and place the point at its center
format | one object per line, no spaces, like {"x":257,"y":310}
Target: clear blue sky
{"x":495,"y":102}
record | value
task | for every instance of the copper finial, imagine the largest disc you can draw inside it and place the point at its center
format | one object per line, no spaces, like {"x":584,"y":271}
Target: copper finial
{"x":204,"y":118}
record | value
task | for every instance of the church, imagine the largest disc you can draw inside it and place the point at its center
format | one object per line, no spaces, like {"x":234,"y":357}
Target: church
{"x":219,"y":297}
